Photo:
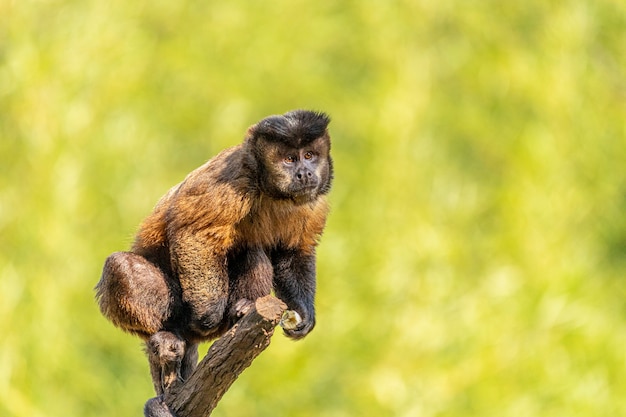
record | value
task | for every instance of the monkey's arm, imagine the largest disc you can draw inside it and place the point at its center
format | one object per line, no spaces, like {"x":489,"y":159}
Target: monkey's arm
{"x":203,"y":277}
{"x":294,"y":283}
{"x":200,"y":223}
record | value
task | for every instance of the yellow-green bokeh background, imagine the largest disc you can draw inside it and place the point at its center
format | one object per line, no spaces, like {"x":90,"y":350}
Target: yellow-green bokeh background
{"x":474,"y":263}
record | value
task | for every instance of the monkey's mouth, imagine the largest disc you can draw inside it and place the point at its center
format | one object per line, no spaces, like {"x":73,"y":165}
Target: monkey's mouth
{"x":304,"y":189}
{"x":303,"y":193}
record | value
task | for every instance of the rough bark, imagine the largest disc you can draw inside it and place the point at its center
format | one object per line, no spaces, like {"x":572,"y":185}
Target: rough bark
{"x":225,"y":360}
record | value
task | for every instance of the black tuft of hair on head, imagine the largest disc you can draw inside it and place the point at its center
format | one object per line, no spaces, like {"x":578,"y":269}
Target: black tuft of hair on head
{"x":295,"y":128}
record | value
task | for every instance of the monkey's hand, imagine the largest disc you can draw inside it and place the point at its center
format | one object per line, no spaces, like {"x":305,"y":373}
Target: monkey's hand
{"x":295,"y":326}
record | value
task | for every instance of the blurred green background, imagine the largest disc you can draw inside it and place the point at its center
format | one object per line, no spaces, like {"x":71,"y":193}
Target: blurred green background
{"x":474,"y":263}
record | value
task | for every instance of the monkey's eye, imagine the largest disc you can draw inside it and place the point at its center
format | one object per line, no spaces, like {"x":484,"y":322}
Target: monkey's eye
{"x":308,"y":155}
{"x":290,"y":159}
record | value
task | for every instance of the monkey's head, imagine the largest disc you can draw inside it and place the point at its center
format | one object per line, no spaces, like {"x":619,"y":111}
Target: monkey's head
{"x":292,"y":155}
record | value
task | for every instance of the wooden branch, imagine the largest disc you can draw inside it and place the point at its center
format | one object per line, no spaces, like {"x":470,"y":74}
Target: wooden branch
{"x":224,"y":362}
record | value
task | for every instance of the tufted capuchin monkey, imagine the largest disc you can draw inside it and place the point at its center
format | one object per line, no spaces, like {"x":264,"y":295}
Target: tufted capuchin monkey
{"x":243,"y":224}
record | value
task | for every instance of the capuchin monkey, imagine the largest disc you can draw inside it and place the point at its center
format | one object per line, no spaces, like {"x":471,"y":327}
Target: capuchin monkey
{"x":243,"y":224}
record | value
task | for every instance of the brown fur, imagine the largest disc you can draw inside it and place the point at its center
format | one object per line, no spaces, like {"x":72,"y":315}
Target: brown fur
{"x":205,"y":204}
{"x":245,"y":223}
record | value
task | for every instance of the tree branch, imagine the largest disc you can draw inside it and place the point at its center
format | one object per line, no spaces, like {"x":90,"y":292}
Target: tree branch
{"x":226,"y":359}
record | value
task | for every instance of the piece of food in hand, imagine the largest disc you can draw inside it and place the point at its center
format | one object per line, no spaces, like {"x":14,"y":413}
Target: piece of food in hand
{"x":290,"y":320}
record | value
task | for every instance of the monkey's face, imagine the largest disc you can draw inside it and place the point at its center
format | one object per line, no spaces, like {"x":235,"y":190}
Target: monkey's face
{"x":293,"y":155}
{"x":300,"y":174}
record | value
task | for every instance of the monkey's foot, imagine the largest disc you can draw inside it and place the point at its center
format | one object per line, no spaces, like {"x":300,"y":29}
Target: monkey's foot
{"x":165,"y":351}
{"x":243,"y":306}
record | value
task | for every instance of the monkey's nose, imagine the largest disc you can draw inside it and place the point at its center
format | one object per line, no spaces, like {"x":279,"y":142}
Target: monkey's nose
{"x":305,"y":178}
{"x":304,"y":174}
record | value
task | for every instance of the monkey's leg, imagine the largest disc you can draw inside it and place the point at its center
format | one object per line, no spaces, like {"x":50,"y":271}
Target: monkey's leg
{"x":134,"y":294}
{"x":250,"y":273}
{"x":190,"y":361}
